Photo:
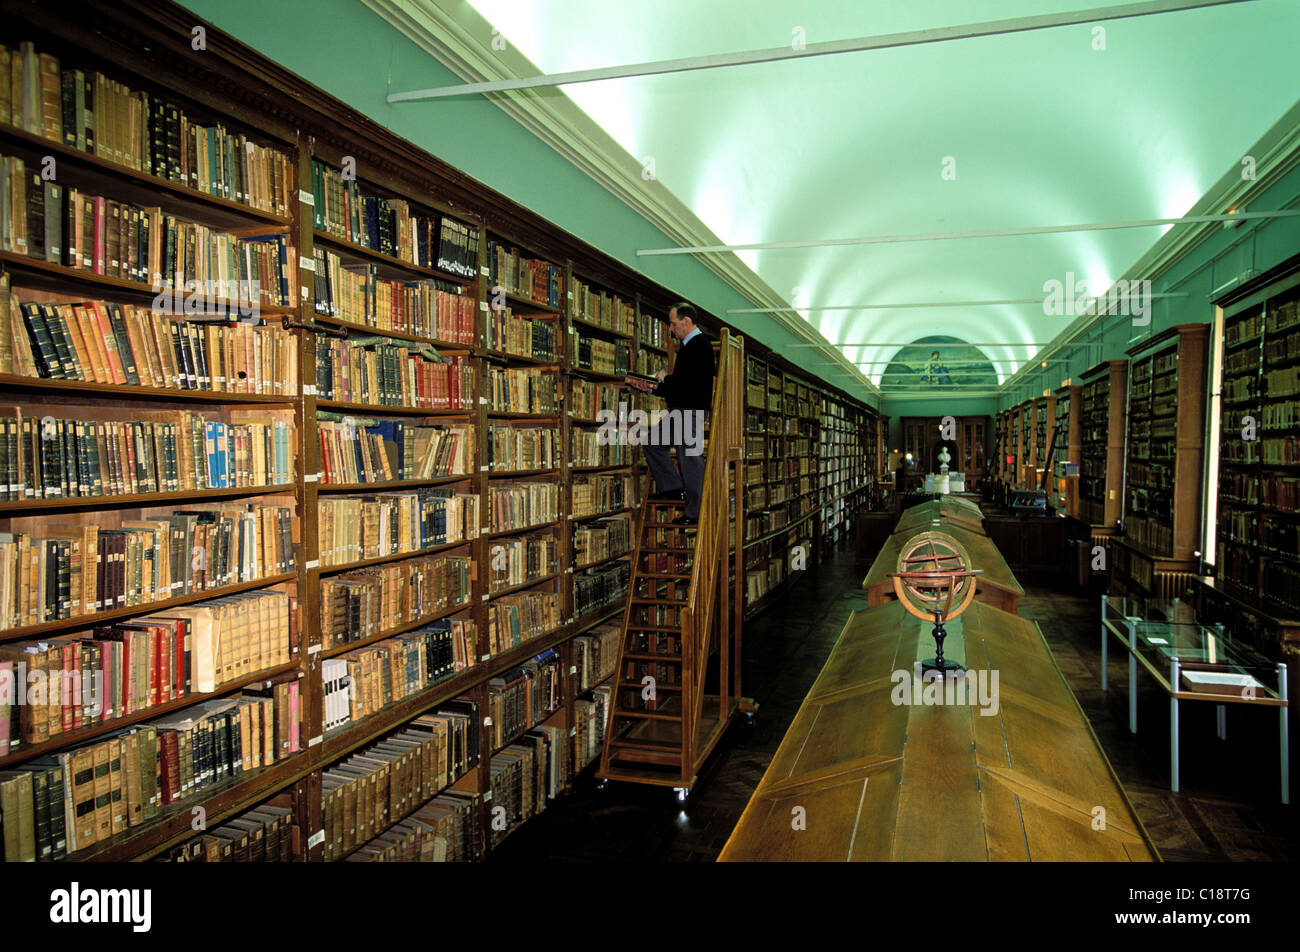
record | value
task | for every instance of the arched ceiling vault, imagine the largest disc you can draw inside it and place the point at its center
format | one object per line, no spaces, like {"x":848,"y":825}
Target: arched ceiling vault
{"x":1118,"y":120}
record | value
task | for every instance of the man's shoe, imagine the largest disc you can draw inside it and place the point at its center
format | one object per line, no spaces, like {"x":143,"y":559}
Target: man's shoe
{"x":669,"y":494}
{"x":685,"y":521}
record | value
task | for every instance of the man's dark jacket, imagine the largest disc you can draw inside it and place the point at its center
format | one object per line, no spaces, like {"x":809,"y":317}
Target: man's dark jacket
{"x":690,"y":385}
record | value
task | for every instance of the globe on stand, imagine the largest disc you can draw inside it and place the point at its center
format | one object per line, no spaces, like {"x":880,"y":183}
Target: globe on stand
{"x":935,"y":582}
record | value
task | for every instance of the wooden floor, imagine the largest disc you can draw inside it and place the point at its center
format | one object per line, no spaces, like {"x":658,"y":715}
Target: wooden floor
{"x":1226,"y":812}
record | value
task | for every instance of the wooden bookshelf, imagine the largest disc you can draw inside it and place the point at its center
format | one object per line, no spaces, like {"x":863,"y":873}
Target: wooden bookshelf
{"x":1163,"y":463}
{"x":1259,"y":466}
{"x":452,"y":289}
{"x":1069,"y":447}
{"x":1102,"y":402}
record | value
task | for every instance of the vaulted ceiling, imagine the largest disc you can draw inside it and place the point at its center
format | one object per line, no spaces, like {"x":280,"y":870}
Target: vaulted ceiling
{"x":1109,"y":121}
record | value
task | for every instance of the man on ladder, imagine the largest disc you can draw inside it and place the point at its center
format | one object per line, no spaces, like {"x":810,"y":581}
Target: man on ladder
{"x":688,"y":391}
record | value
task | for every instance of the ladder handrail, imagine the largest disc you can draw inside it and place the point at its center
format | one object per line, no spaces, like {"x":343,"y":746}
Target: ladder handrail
{"x":712,"y":538}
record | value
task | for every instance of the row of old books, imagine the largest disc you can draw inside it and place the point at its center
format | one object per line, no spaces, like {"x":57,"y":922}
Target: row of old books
{"x":82,"y":679}
{"x":58,"y":572}
{"x":652,"y":330}
{"x":138,"y":243}
{"x":107,"y":343}
{"x":93,"y":113}
{"x":354,"y":450}
{"x":444,"y":830}
{"x":371,"y":790}
{"x":367,"y":602}
{"x":522,"y":505}
{"x":599,"y":588}
{"x":524,"y":777}
{"x":515,"y":619}
{"x":367,"y":680}
{"x":523,"y":390}
{"x":594,"y":495}
{"x":58,"y":805}
{"x":352,"y":528}
{"x":588,"y":398}
{"x":387,"y":225}
{"x":429,"y":307}
{"x":598,"y":448}
{"x":589,"y":719}
{"x":591,"y":353}
{"x":267,"y":834}
{"x":48,"y":457}
{"x":525,"y":559}
{"x":383,"y":372}
{"x":507,"y":333}
{"x":595,"y":656}
{"x":601,"y":540}
{"x":522,"y":448}
{"x":602,"y":309}
{"x":529,"y":278}
{"x":523,"y":696}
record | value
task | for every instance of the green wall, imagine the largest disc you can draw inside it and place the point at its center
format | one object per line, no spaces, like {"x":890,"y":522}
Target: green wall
{"x":1228,"y":254}
{"x":351,"y":53}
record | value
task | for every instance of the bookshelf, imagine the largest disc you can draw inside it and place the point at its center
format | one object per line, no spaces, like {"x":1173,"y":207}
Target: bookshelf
{"x":1069,"y":446}
{"x":407,"y":407}
{"x":1259,"y":468}
{"x":1102,"y":402}
{"x":1163,"y":463}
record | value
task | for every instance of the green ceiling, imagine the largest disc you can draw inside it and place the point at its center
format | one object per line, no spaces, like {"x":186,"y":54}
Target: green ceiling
{"x":1042,"y":129}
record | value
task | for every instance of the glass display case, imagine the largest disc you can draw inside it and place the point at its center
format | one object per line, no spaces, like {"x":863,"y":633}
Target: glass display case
{"x":1192,"y":661}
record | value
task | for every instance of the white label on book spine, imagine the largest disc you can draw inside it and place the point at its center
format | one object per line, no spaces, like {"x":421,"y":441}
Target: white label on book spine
{"x":313,"y":649}
{"x":573,"y":669}
{"x":309,"y":390}
{"x":486,"y":657}
{"x":487,"y":796}
{"x":307,"y":198}
{"x":482,"y":306}
{"x":315,"y":740}
{"x":311,"y":478}
{"x":573,"y":732}
{"x":482,"y":399}
{"x":313,"y":564}
{"x":483,"y":270}
{"x":487,"y":721}
{"x":316,"y":839}
{"x":307,"y":264}
{"x":485,"y":598}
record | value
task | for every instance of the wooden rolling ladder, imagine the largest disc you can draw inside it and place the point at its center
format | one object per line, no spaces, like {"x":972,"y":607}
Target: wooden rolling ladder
{"x":681,"y":609}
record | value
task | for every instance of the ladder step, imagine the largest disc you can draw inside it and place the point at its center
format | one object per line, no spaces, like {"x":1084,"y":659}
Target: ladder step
{"x":659,"y":601}
{"x":648,"y":715}
{"x":671,"y":659}
{"x":640,"y":574}
{"x":636,"y":626}
{"x":671,"y":757}
{"x":627,"y":744}
{"x":658,"y":687}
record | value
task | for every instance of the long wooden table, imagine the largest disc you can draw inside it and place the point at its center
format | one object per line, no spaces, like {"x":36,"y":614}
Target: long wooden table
{"x":997,"y":586}
{"x":859,"y":777}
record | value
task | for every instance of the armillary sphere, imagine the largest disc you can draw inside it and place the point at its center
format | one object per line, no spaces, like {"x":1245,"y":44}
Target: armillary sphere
{"x":934,"y":577}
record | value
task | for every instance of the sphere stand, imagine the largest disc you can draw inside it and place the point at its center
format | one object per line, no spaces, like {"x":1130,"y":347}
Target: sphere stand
{"x":939,"y":662}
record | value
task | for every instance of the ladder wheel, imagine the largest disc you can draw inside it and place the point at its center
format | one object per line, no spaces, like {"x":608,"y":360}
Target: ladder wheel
{"x":683,"y":794}
{"x":602,"y":785}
